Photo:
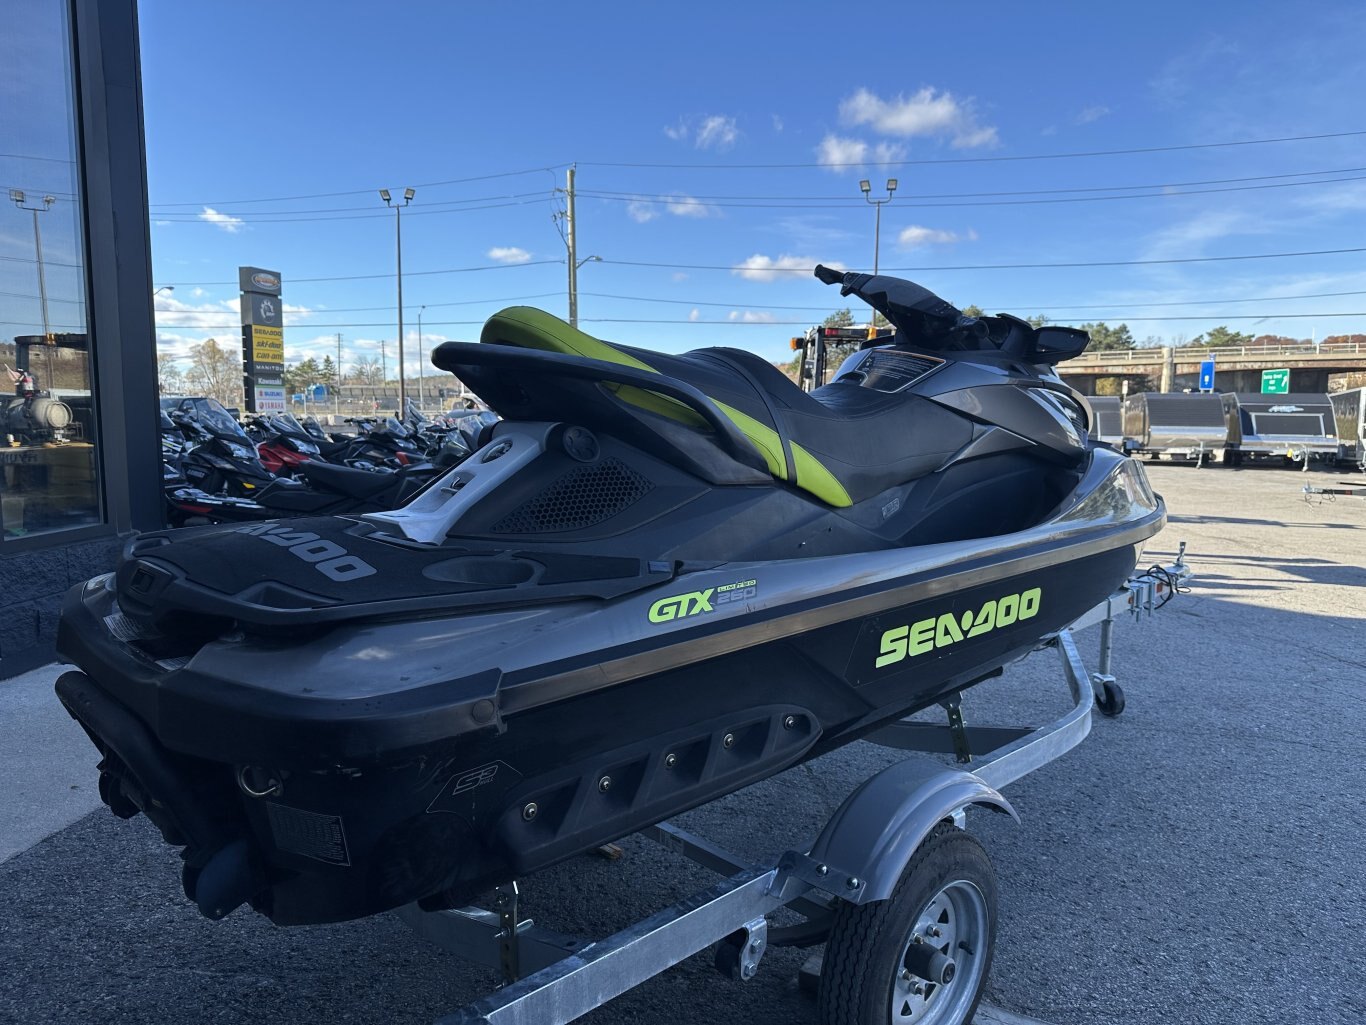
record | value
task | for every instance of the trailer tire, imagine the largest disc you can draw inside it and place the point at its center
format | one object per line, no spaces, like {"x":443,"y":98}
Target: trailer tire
{"x":946,"y":899}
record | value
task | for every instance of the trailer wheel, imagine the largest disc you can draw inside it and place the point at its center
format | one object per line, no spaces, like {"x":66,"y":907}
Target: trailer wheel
{"x":923,"y":954}
{"x":1110,"y":700}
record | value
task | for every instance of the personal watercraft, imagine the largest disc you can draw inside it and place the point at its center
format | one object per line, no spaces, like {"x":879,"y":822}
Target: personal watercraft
{"x":661,"y":578}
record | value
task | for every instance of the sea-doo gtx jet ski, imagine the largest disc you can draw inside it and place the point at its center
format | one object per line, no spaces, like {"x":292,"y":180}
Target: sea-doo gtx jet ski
{"x":661,"y":578}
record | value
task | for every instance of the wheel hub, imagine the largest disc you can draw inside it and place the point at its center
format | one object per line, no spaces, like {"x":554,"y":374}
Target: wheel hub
{"x":941,"y":964}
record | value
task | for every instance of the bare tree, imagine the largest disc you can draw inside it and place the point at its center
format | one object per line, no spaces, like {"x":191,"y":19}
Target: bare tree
{"x":170,"y":378}
{"x":216,"y":371}
{"x":366,"y":370}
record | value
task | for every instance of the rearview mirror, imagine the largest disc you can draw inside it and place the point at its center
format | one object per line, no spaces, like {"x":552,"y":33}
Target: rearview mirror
{"x":1054,"y":344}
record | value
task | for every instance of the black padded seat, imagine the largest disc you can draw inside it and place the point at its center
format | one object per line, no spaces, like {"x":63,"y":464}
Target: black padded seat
{"x":345,"y":480}
{"x":843,"y":443}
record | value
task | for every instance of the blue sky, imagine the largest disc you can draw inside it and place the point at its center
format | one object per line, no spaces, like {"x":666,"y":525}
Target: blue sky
{"x":330,"y":101}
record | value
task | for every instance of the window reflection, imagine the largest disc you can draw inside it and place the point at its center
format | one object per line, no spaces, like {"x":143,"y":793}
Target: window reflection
{"x":47,"y":415}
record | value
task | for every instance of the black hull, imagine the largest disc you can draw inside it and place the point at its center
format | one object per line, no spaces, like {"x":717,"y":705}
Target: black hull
{"x":556,"y":769}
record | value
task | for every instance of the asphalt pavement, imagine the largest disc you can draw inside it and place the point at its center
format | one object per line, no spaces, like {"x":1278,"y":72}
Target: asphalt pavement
{"x":1199,"y":859}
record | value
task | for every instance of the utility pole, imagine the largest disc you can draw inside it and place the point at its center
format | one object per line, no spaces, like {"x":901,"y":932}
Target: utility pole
{"x":336,"y":395}
{"x":383,"y":366}
{"x":573,"y":252}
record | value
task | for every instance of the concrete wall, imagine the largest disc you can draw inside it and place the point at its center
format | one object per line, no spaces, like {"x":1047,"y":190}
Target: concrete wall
{"x":31,"y":588}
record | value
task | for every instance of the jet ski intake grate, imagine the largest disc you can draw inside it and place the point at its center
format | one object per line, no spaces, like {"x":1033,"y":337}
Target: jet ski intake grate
{"x":581,"y":498}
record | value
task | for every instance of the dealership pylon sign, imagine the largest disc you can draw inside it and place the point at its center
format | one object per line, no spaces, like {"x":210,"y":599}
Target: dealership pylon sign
{"x":263,"y":340}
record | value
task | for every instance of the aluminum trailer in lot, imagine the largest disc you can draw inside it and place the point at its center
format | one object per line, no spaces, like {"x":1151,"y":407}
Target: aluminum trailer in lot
{"x":1109,"y":426}
{"x":1349,"y":411}
{"x":1293,"y":427}
{"x":1176,"y":425}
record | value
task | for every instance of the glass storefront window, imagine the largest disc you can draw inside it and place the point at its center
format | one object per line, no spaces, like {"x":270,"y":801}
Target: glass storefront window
{"x":48,"y":464}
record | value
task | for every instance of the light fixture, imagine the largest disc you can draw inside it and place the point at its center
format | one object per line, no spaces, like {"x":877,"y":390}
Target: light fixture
{"x":384,"y":194}
{"x":408,"y":195}
{"x":866,"y":185}
{"x":891,"y":185}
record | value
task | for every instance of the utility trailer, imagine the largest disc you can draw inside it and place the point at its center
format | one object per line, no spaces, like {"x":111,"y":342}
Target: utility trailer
{"x":1109,"y":425}
{"x":902,"y":896}
{"x":1181,"y":426}
{"x":1349,"y":413}
{"x":1295,"y":428}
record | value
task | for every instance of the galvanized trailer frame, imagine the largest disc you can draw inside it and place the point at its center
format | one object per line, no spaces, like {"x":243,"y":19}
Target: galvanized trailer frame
{"x":859,"y":857}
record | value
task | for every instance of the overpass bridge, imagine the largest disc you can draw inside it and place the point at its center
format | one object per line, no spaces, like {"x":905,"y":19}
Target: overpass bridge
{"x":1236,"y":368}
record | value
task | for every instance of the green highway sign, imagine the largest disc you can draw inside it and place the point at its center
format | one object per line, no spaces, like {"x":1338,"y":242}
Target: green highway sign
{"x":1276,"y":382}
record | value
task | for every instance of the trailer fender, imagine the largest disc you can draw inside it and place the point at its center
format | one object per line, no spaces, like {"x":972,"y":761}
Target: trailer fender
{"x":865,"y":847}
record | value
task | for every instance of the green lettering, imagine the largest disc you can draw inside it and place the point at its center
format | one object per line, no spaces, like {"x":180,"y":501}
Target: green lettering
{"x":922,"y":638}
{"x":893,"y":646}
{"x":946,"y":631}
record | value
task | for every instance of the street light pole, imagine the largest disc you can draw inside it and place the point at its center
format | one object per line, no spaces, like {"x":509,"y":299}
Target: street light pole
{"x":867,"y":187}
{"x":421,"y":359}
{"x":408,"y":195}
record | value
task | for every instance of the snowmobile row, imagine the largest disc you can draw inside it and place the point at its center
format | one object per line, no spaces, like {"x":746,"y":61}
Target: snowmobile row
{"x":215,"y":470}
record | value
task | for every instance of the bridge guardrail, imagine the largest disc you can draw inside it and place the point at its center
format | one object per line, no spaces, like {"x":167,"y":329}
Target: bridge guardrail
{"x":1149,"y":354}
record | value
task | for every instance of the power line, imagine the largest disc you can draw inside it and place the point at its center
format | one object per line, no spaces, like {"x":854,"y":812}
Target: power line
{"x":369,"y":191}
{"x":990,"y":266}
{"x":372,"y":277}
{"x":251,"y":219}
{"x":839,"y":203}
{"x":665,"y":197}
{"x":369,"y":208}
{"x":982,"y":160}
{"x":1036,"y":308}
{"x":739,"y":320}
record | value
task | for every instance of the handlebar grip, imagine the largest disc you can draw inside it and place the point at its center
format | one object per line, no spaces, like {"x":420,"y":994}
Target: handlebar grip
{"x":828,"y":276}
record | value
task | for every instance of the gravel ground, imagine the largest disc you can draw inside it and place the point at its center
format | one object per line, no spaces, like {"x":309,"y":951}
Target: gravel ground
{"x":1199,"y":859}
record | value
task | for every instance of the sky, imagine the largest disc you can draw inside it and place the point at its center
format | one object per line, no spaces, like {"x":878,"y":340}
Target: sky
{"x":719,"y":148}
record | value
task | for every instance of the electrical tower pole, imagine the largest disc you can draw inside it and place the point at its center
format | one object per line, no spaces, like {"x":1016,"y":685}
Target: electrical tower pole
{"x":336,"y":395}
{"x":573,"y":252}
{"x":383,"y":366}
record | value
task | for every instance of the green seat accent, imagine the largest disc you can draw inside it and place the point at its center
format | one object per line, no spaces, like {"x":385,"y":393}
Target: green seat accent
{"x":530,"y":328}
{"x":813,"y":476}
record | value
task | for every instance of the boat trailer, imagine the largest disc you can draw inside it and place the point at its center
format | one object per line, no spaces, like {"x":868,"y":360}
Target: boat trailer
{"x":888,"y":861}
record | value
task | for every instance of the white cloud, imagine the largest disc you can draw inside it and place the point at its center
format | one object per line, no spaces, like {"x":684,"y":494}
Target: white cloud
{"x":640,"y":211}
{"x":766,"y":268}
{"x":232,"y":225}
{"x":685,"y":206}
{"x":717,"y":132}
{"x":711,"y":131}
{"x":839,"y":154}
{"x":679,"y":205}
{"x":679,"y":275}
{"x":508,"y":254}
{"x":694,"y":314}
{"x":1092,"y":113}
{"x":751,"y":317}
{"x":777,"y":123}
{"x":926,"y":112}
{"x":918,"y":235}
{"x":198,"y":293}
{"x":835,"y":151}
{"x":223,"y":315}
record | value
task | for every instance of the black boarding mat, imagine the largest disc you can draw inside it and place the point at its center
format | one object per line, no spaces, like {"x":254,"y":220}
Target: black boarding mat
{"x":332,"y":568}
